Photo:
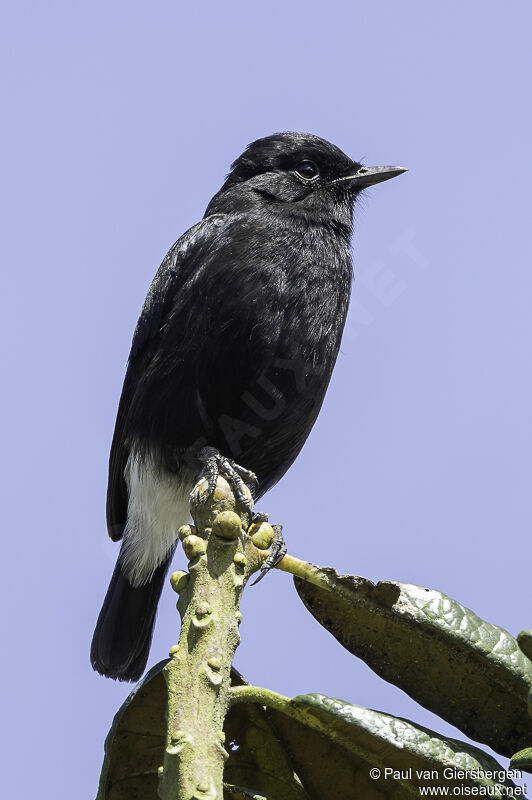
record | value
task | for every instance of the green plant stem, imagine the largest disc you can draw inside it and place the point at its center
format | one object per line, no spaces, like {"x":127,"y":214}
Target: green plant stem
{"x":305,"y":570}
{"x":199,"y":673}
{"x":259,"y":695}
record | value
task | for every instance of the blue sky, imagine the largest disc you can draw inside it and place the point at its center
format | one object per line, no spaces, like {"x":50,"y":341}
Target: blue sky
{"x":120,"y":122}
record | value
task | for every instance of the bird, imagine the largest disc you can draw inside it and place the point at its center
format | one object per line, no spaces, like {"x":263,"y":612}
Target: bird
{"x":229,"y":364}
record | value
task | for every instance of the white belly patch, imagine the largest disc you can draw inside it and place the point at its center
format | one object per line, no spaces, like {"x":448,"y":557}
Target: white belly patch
{"x":158,"y":505}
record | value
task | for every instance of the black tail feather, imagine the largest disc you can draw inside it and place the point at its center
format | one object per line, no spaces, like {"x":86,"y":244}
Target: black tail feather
{"x":123,"y":633}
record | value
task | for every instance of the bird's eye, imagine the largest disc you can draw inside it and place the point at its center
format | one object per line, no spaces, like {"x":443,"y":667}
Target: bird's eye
{"x":307,"y":170}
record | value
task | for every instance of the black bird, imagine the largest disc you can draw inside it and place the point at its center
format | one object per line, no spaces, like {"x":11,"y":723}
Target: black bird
{"x":230,"y":361}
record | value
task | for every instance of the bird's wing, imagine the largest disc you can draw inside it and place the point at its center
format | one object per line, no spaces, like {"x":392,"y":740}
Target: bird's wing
{"x":175,"y":271}
{"x":234,"y":347}
{"x":218,"y":318}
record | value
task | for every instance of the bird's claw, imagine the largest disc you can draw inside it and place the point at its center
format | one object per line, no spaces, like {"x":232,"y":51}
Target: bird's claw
{"x":277,"y":553}
{"x":259,"y":516}
{"x":214,"y":464}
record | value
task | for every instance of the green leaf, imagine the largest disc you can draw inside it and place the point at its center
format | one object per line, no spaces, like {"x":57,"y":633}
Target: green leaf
{"x":522,"y":760}
{"x":524,"y":640}
{"x":471,"y":673}
{"x":334,"y":746}
{"x":134,"y":746}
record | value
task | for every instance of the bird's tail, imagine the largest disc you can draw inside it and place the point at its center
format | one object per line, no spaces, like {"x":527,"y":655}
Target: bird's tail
{"x":123,"y":633}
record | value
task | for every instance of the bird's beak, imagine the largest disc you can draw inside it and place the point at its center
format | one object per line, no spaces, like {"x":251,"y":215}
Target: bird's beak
{"x":368,"y":176}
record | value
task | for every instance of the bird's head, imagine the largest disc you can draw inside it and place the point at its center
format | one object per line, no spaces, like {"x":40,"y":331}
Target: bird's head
{"x":297,"y":168}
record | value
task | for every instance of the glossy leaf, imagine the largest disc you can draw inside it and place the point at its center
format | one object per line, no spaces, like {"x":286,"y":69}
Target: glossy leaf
{"x":336,"y":748}
{"x":522,"y":760}
{"x":466,"y":670}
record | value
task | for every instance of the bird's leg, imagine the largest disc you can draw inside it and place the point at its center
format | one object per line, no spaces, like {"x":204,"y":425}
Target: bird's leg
{"x":237,"y":477}
{"x":277,"y":552}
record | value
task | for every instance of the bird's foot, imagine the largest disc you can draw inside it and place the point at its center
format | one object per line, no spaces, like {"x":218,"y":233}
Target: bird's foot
{"x":277,"y":550}
{"x":214,"y":464}
{"x":259,"y":516}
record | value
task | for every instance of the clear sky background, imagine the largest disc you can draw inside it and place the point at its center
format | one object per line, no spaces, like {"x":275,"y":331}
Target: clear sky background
{"x":120,"y":121}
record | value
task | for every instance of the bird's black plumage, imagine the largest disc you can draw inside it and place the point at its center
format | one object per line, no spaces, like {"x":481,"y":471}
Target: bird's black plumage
{"x":234,"y":348}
